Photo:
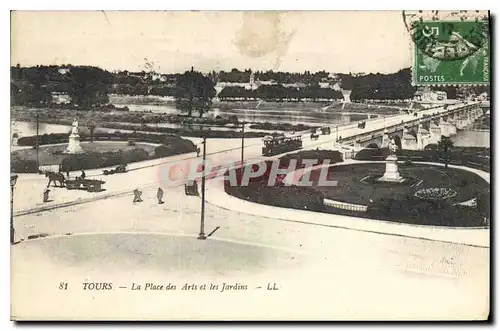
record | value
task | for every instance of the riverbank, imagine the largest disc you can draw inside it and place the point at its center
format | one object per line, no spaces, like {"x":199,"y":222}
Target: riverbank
{"x":133,"y":121}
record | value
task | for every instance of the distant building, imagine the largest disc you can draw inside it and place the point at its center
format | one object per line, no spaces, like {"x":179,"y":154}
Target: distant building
{"x":60,"y":98}
{"x":324,"y":84}
{"x":426,"y":94}
{"x":63,"y":71}
{"x":251,"y":85}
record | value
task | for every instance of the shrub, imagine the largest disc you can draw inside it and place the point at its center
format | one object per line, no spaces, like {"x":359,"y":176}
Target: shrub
{"x":135,"y":155}
{"x":304,"y":198}
{"x":101,"y":160}
{"x":174,"y":145}
{"x":408,"y":161}
{"x":484,"y":204}
{"x":44,"y":139}
{"x":163,"y":150}
{"x":319,"y":155}
{"x":372,"y":154}
{"x":412,"y":210}
{"x":18,"y":165}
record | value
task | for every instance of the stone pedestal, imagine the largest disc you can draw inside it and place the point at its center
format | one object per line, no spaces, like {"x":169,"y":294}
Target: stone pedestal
{"x":74,"y":144}
{"x":391,"y":171}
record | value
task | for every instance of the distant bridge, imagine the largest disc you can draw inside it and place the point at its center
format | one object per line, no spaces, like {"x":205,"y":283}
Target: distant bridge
{"x":415,"y":131}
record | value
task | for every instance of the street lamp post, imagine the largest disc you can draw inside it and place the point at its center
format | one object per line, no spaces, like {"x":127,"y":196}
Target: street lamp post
{"x":242,"y":142}
{"x":37,"y":137}
{"x":13,"y":180}
{"x":202,"y":220}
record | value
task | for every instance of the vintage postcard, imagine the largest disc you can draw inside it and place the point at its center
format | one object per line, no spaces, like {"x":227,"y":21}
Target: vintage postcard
{"x":179,"y":166}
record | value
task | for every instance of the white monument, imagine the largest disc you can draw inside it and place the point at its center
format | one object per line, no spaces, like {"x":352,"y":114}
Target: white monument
{"x":391,"y":166}
{"x":74,"y":140}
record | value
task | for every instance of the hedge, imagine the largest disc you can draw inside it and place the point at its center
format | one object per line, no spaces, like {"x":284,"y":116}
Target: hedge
{"x":297,"y":197}
{"x":320,"y":155}
{"x":372,"y":154}
{"x":18,"y":165}
{"x":101,"y":160}
{"x":58,"y":138}
{"x":281,"y":126}
{"x":473,"y":158}
{"x":173,"y":146}
{"x":412,"y":210}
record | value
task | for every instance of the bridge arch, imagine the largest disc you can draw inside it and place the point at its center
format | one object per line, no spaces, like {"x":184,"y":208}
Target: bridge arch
{"x":372,"y":145}
{"x":397,"y":141}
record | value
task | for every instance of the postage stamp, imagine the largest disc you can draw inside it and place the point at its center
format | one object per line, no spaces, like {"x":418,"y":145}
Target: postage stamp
{"x":451,"y":51}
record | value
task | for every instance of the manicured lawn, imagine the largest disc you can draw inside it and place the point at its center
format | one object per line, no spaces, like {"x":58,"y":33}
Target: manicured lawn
{"x":49,"y":154}
{"x":352,"y":189}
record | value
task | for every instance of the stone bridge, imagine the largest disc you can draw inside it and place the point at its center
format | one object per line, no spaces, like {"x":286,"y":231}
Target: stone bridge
{"x":418,"y":133}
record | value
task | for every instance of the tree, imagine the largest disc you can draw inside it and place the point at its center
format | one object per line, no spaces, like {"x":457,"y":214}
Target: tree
{"x":90,"y":86}
{"x":483,"y":205}
{"x":444,"y":146}
{"x":194,"y":91}
{"x":91,"y":125}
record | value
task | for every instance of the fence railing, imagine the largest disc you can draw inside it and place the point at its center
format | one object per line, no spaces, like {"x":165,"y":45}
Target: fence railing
{"x":49,"y":167}
{"x":344,"y":205}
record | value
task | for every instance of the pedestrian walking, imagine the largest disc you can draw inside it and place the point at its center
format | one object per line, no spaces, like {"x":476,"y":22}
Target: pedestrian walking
{"x":159,"y":195}
{"x":46,"y":195}
{"x":137,"y":195}
{"x":198,"y":151}
{"x":83,"y":174}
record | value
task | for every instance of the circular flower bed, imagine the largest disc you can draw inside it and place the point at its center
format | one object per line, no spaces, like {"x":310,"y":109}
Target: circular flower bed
{"x":435,"y":193}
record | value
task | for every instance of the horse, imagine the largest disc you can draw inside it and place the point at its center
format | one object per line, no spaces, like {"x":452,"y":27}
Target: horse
{"x":55,"y":177}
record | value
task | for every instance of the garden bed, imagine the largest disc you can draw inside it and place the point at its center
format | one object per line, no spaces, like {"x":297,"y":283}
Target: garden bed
{"x":383,"y":201}
{"x":98,"y":154}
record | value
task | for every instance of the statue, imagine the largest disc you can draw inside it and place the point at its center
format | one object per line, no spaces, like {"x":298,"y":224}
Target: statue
{"x":74,"y":140}
{"x":392,"y":147}
{"x":74,"y":129}
{"x":391,"y":166}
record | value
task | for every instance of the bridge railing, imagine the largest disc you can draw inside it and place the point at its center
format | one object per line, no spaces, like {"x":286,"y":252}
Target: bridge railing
{"x":397,"y":127}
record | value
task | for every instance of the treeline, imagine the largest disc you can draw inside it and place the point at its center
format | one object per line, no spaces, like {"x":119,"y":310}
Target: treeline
{"x":279,"y":93}
{"x":87,"y":86}
{"x":378,"y":86}
{"x":279,"y":77}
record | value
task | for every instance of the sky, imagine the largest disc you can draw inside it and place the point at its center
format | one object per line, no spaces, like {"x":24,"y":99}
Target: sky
{"x":348,"y":41}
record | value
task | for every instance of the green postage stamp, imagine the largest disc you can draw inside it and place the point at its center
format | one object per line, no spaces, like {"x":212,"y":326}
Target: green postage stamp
{"x":450,"y":52}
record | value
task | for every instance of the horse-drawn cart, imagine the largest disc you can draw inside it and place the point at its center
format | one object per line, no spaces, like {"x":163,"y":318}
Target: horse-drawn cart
{"x":325,"y":130}
{"x":91,"y":185}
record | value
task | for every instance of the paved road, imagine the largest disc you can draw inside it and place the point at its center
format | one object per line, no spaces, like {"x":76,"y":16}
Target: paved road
{"x":153,"y":173}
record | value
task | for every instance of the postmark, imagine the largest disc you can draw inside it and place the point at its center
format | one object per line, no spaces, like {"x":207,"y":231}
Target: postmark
{"x":450,"y":48}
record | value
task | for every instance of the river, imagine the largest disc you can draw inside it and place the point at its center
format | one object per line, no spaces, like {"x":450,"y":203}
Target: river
{"x":465,"y":138}
{"x":298,"y":116}
{"x":472,"y":138}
